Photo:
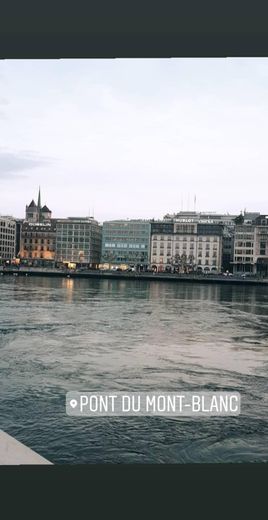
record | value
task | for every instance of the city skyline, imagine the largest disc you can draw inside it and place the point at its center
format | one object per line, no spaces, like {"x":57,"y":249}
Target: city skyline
{"x":134,"y":138}
{"x":36,"y":201}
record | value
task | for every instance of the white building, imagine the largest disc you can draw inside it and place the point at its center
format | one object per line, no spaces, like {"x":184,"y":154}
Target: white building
{"x":186,"y":246}
{"x":7,"y":238}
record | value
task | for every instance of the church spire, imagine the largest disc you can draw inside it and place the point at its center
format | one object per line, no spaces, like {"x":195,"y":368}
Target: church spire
{"x":39,"y":199}
{"x":39,"y":206}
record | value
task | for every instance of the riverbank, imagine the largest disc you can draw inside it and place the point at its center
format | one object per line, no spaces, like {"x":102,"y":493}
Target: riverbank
{"x":165,"y":277}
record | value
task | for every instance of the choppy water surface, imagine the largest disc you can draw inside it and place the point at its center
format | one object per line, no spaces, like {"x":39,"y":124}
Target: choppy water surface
{"x":59,"y":334}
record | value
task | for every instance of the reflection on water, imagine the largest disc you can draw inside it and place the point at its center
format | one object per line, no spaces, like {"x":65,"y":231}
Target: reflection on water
{"x":60,"y":334}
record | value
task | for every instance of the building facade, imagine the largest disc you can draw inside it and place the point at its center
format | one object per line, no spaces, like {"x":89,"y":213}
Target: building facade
{"x":18,"y":236}
{"x":251,"y":246}
{"x":78,"y":241}
{"x":38,"y":236}
{"x":126,"y":243}
{"x":186,"y":246}
{"x":7,"y":239}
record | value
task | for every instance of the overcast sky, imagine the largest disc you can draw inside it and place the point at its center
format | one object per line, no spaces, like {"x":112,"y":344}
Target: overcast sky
{"x":134,"y":138}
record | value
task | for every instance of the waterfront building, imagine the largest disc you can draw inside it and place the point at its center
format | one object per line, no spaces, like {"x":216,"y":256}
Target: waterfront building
{"x":224,"y":219}
{"x":78,"y":241}
{"x":228,"y":248}
{"x":202,"y":218}
{"x":7,"y":239}
{"x":19,"y":222}
{"x":186,"y":246}
{"x":126,"y":243}
{"x":38,"y":235}
{"x":251,"y":245}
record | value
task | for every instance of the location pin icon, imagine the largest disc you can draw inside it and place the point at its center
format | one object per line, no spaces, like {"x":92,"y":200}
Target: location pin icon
{"x":73,"y":403}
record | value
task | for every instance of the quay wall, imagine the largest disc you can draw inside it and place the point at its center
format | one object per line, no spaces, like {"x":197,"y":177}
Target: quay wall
{"x":165,"y":277}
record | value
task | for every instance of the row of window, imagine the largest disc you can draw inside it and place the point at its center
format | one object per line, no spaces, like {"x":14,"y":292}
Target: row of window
{"x":200,"y":254}
{"x":245,"y":252}
{"x":7,"y":225}
{"x":244,"y":236}
{"x":7,"y":240}
{"x":185,"y":239}
{"x":243,"y":259}
{"x":125,"y":245}
{"x":67,"y":227}
{"x":243,"y":244}
{"x":200,"y":262}
{"x":37,"y":241}
{"x":73,"y":240}
{"x":38,"y":248}
{"x":72,"y":235}
{"x":184,"y":245}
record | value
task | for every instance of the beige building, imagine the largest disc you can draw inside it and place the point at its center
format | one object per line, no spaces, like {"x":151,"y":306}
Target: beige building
{"x":186,"y":247}
{"x":38,"y":235}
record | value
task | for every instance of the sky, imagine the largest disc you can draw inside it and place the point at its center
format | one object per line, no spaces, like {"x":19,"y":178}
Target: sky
{"x":134,"y":138}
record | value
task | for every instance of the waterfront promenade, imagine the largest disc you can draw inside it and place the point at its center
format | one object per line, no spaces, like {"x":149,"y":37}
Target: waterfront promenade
{"x":121,"y":275}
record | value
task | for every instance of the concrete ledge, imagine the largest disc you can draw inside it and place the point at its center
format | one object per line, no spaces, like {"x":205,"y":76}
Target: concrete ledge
{"x":13,"y":452}
{"x":165,"y":277}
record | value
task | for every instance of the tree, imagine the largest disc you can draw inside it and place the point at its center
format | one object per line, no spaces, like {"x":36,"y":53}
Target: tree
{"x":239,"y":219}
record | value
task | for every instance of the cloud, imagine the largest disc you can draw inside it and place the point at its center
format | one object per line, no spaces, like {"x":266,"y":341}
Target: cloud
{"x":14,"y":164}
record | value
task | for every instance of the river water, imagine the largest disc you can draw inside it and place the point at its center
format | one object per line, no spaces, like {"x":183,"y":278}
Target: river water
{"x":59,"y":334}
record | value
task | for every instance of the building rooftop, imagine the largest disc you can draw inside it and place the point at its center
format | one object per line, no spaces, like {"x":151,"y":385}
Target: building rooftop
{"x":32,"y":204}
{"x":45,"y":209}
